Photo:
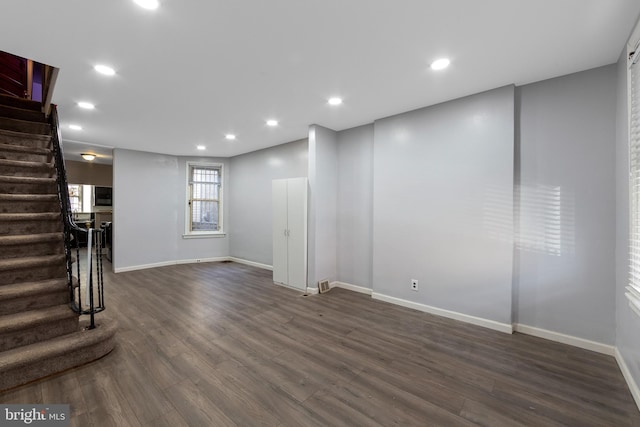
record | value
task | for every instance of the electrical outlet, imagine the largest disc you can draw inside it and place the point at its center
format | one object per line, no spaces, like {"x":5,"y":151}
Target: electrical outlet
{"x":414,"y":284}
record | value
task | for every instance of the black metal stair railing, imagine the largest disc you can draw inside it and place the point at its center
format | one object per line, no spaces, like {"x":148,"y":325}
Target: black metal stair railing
{"x":93,"y":271}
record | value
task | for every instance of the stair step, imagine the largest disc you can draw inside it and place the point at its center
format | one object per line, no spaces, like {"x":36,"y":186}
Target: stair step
{"x":25,"y":164}
{"x":26,"y":139}
{"x":19,"y":329}
{"x":24,"y":245}
{"x":25,"y":104}
{"x":32,"y":268}
{"x":30,"y":223}
{"x":25,"y":153}
{"x":29,"y":239}
{"x":22,"y":114}
{"x":25,"y":126}
{"x":33,"y":295}
{"x":24,"y":168}
{"x":24,"y":364}
{"x":29,"y":203}
{"x":27,"y":185}
{"x":29,"y":262}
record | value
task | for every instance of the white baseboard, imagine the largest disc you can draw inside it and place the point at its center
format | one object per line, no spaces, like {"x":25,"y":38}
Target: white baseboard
{"x":251,"y":263}
{"x":199,"y":260}
{"x":312,"y":291}
{"x":143,"y":266}
{"x":490,"y":324}
{"x":193,"y":261}
{"x":566,"y":339}
{"x":165,"y":263}
{"x":626,"y":373}
{"x":350,"y":287}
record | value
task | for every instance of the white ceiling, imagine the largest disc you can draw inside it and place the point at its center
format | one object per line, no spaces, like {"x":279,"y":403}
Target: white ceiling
{"x":193,"y":70}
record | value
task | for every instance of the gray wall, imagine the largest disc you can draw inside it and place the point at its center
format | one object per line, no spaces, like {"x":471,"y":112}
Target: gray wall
{"x":323,"y":202}
{"x":149,"y":199}
{"x":249,"y":196}
{"x":442,"y":205}
{"x":355,"y":206}
{"x":89,"y":173}
{"x":567,"y":207}
{"x":627,"y":322}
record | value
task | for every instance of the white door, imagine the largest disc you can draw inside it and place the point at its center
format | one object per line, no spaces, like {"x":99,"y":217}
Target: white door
{"x":279,"y":215}
{"x":297,"y":226}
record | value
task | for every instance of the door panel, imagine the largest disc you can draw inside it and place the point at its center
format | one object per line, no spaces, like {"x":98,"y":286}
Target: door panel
{"x":279,"y":221}
{"x":297,"y":225}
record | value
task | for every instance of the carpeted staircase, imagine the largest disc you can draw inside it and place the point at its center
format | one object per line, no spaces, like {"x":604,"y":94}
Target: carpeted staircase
{"x":39,"y":333}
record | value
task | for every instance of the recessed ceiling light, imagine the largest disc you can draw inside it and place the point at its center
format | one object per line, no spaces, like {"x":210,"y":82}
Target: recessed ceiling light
{"x":335,"y":101}
{"x":103,"y":69}
{"x":88,"y":157}
{"x":75,"y":127}
{"x":230,"y":136}
{"x":86,"y":105}
{"x":201,"y":147}
{"x":272,"y":123}
{"x":440,"y":64}
{"x":148,"y":4}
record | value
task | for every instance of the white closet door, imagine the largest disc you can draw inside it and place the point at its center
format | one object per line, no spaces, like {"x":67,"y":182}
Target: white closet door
{"x":297,"y":225}
{"x":279,"y":215}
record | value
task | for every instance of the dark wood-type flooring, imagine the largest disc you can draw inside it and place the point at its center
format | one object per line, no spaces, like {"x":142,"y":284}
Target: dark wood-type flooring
{"x":218,"y":344}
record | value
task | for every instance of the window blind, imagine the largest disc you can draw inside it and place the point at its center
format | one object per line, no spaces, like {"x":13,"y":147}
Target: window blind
{"x":633,"y":290}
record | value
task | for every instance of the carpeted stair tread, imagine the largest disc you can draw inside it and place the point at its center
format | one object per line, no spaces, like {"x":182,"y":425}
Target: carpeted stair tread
{"x":27,"y":203}
{"x":29,"y":239}
{"x":30,"y":262}
{"x":14,"y":223}
{"x":39,"y":216}
{"x":11,"y":137}
{"x":23,"y":364}
{"x":33,"y":295}
{"x":27,"y":179}
{"x":30,"y":319}
{"x":25,"y":126}
{"x":25,"y":104}
{"x":28,"y":197}
{"x":24,"y":149}
{"x":25,"y":164}
{"x":22,"y":114}
{"x":18,"y":290}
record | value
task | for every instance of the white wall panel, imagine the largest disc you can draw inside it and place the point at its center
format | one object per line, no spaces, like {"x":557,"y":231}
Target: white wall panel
{"x":566,"y":173}
{"x":355,"y":206}
{"x":443,"y":205}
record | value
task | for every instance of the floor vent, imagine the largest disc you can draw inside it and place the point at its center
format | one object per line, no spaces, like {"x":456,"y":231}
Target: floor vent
{"x":323,"y":286}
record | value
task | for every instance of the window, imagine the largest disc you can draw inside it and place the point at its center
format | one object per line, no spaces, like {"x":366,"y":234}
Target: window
{"x":204,"y":204}
{"x":633,"y":290}
{"x":75,"y":197}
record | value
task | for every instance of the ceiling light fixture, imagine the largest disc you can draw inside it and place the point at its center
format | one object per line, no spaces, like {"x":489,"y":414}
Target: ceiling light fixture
{"x":88,"y":156}
{"x":272,"y":123}
{"x":103,"y":69}
{"x":75,"y":127}
{"x":86,"y":105}
{"x":201,"y":147}
{"x":230,"y":136}
{"x":148,"y":4}
{"x":440,"y":64}
{"x":335,"y":101}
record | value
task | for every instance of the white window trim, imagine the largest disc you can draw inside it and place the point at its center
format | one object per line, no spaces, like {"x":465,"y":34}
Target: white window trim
{"x":633,"y":288}
{"x":188,"y":234}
